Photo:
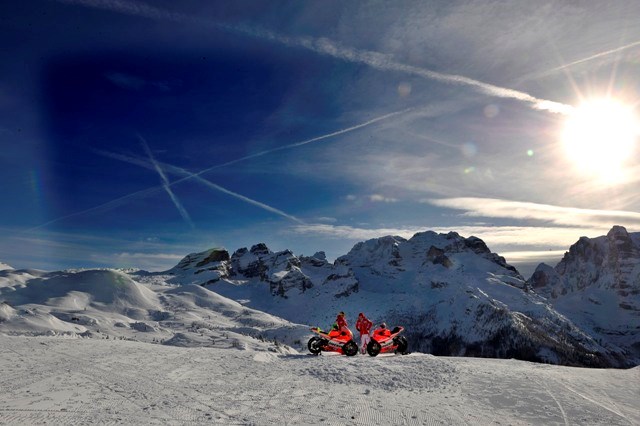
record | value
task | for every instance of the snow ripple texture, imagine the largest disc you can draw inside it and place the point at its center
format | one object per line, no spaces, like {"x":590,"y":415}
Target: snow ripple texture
{"x":389,"y":372}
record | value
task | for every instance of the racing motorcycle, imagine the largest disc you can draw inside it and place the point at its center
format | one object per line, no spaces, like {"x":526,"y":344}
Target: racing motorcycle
{"x":384,"y":340}
{"x":333,"y":341}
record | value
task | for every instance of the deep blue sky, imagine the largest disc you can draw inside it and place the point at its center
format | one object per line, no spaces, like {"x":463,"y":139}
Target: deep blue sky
{"x":448,"y":116}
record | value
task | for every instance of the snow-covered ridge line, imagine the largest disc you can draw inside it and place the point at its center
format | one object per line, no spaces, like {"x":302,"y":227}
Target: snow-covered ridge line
{"x":452,"y":294}
{"x":108,"y":304}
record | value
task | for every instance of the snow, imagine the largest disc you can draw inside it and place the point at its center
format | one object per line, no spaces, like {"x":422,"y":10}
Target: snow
{"x":4,"y":266}
{"x":93,"y":381}
{"x":133,"y":347}
{"x":112,"y":304}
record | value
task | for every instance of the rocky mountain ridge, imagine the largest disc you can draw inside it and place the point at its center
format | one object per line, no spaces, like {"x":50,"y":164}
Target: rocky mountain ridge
{"x":597,"y":284}
{"x":454,"y":295}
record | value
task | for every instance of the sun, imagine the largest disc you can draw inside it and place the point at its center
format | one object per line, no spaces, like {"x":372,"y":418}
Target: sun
{"x":599,"y":136}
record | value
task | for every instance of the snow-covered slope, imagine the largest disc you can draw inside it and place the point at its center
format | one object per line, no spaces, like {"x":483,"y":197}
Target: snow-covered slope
{"x":597,"y":284}
{"x":80,"y":381}
{"x":4,"y":266}
{"x":110,"y":303}
{"x":453,"y":294}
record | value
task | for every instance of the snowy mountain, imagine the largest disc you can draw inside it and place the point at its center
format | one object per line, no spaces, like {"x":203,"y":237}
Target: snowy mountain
{"x":111,"y":303}
{"x":597,"y":285}
{"x":4,"y":266}
{"x":454,"y":296}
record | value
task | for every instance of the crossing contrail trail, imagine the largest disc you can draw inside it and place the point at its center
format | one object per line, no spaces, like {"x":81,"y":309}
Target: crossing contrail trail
{"x":145,"y":192}
{"x":189,"y":175}
{"x":165,"y":183}
{"x":327,"y":47}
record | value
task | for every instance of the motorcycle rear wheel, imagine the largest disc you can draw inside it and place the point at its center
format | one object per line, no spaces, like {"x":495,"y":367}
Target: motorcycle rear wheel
{"x":402,"y":343}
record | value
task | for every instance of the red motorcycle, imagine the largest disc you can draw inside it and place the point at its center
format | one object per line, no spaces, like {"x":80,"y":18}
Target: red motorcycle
{"x":384,"y":340}
{"x":333,"y":341}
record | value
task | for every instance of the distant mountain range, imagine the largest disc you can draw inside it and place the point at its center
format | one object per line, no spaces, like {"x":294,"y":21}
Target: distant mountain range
{"x":452,"y":294}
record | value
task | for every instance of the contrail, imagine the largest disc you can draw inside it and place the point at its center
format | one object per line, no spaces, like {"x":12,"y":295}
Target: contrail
{"x":188,"y":175}
{"x":233,"y":194}
{"x":305,"y":142}
{"x":165,"y":183}
{"x":325,"y":46}
{"x":384,"y":62}
{"x":120,"y":200}
{"x":590,"y":58}
{"x":105,"y":206}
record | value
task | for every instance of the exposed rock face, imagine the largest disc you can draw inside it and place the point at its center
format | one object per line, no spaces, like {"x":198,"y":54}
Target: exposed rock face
{"x":597,"y":284}
{"x":202,"y":259}
{"x":203,"y":268}
{"x":437,"y":257}
{"x":608,"y":262}
{"x":249,"y":263}
{"x":281,"y":270}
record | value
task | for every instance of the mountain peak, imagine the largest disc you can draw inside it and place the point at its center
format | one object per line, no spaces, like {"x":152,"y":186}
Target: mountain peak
{"x":260,"y":249}
{"x":617,"y":231}
{"x":197,"y":260}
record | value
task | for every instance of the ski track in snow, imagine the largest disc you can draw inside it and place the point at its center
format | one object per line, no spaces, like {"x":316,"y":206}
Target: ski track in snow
{"x":90,"y":381}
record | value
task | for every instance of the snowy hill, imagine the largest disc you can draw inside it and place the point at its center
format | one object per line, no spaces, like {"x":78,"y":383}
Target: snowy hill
{"x":4,"y":266}
{"x":452,"y":293}
{"x":597,"y":284}
{"x":110,"y":303}
{"x":81,"y":381}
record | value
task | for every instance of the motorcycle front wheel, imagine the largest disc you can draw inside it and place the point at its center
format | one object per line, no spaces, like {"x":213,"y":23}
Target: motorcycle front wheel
{"x":350,"y":348}
{"x":373,"y":348}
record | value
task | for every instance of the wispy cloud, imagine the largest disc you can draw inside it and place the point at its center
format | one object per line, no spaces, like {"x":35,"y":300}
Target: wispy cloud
{"x":145,"y":261}
{"x":165,"y":183}
{"x":500,"y":237}
{"x":350,"y":232}
{"x":331,"y":48}
{"x":169,"y":256}
{"x":377,"y":198}
{"x":562,"y":216}
{"x":533,"y":255}
{"x":57,"y":250}
{"x":384,"y":62}
{"x":125,"y":81}
{"x":326,"y":219}
{"x":132,"y":82}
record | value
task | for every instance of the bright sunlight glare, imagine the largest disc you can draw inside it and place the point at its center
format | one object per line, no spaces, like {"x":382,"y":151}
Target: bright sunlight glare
{"x":599,"y":136}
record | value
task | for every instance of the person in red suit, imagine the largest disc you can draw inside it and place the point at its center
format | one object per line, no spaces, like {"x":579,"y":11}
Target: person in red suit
{"x":341,"y":322}
{"x":363,"y":325}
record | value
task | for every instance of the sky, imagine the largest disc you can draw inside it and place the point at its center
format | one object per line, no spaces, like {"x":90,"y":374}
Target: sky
{"x":133,"y":133}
